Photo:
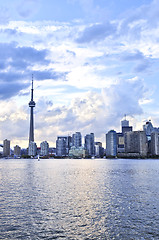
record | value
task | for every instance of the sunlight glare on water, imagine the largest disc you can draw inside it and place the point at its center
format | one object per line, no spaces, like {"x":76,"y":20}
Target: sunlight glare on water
{"x":79,"y":199}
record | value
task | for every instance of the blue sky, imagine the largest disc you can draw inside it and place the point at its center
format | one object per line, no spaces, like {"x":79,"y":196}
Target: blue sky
{"x":93,"y":61}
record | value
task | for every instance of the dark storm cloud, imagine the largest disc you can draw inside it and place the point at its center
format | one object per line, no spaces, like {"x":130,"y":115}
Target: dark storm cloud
{"x":42,"y":75}
{"x":11,"y":52}
{"x":30,"y":54}
{"x":19,"y":64}
{"x":96,"y":32}
{"x":8,"y":90}
{"x":16,"y":67}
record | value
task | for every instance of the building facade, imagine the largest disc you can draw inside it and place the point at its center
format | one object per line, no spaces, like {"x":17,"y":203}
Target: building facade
{"x":17,"y":151}
{"x":6,"y":148}
{"x":77,"y":139}
{"x":136,"y":142}
{"x":62,"y":146}
{"x":89,"y":144}
{"x":98,"y":150}
{"x":32,"y":150}
{"x":44,"y":148}
{"x":154,"y":145}
{"x":111,"y":143}
{"x":77,"y":152}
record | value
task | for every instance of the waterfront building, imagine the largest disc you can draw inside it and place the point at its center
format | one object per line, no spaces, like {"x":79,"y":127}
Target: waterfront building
{"x":79,"y":152}
{"x":120,"y":142}
{"x":136,"y":142}
{"x":98,"y":150}
{"x":125,"y":126}
{"x":24,"y":151}
{"x":52,"y":151}
{"x":6,"y":148}
{"x":17,"y":151}
{"x":63,"y":145}
{"x":125,"y":123}
{"x":89,"y":144}
{"x":44,"y":148}
{"x":148,"y":128}
{"x":68,"y":144}
{"x":154,"y":145}
{"x":32,"y":150}
{"x":120,"y":136}
{"x":111,"y":143}
{"x":77,"y":139}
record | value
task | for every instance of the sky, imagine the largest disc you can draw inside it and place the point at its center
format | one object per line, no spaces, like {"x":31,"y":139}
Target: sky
{"x":93,"y":61}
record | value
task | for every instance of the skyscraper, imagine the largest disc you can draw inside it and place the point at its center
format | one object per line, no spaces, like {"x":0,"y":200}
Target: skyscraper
{"x":6,"y":148}
{"x":89,"y":144}
{"x":61,"y":146}
{"x":125,"y":126}
{"x":154,"y":145}
{"x":136,"y":142}
{"x":44,"y":151}
{"x":17,"y":151}
{"x":31,"y":105}
{"x":77,"y":140}
{"x":32,"y":150}
{"x":111,"y":143}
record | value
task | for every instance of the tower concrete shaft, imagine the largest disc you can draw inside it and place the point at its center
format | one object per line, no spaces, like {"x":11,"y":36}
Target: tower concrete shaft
{"x":31,"y":105}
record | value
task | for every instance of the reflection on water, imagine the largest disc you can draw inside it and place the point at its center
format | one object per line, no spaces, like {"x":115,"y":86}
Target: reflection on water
{"x":79,"y":199}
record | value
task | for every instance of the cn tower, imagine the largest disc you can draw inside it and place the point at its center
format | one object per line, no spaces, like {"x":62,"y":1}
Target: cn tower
{"x":31,"y":105}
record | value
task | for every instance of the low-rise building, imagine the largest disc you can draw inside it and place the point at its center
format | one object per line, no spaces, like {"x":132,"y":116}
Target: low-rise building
{"x":79,"y":152}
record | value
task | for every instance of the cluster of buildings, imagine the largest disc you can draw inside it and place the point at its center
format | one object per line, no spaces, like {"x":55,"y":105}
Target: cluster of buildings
{"x":133,"y":144}
{"x":125,"y":144}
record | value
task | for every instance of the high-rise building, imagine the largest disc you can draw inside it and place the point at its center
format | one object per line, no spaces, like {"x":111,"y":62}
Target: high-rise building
{"x":124,"y":123}
{"x":44,"y":148}
{"x":6,"y":148}
{"x":62,"y":145}
{"x":154,"y":145}
{"x":111,"y":143}
{"x":77,"y":140}
{"x":148,"y":128}
{"x":32,"y":150}
{"x":125,"y":126}
{"x":98,"y":149}
{"x":17,"y":151}
{"x":89,"y":144}
{"x":136,"y":142}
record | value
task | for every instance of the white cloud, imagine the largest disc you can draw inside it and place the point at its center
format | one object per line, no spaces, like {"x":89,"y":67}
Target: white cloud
{"x":77,"y":61}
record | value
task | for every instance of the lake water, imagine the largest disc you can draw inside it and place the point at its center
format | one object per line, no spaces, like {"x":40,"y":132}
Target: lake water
{"x":79,"y":199}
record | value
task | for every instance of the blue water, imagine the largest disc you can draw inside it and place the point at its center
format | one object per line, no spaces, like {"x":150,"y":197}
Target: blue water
{"x":79,"y":199}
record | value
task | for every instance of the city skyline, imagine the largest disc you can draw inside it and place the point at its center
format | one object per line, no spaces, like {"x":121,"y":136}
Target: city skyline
{"x":93,"y":62}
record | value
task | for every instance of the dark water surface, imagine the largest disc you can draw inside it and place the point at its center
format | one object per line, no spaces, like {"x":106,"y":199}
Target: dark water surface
{"x":79,"y":199}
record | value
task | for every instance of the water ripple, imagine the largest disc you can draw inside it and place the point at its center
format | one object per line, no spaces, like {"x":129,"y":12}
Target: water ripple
{"x":79,"y":199}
